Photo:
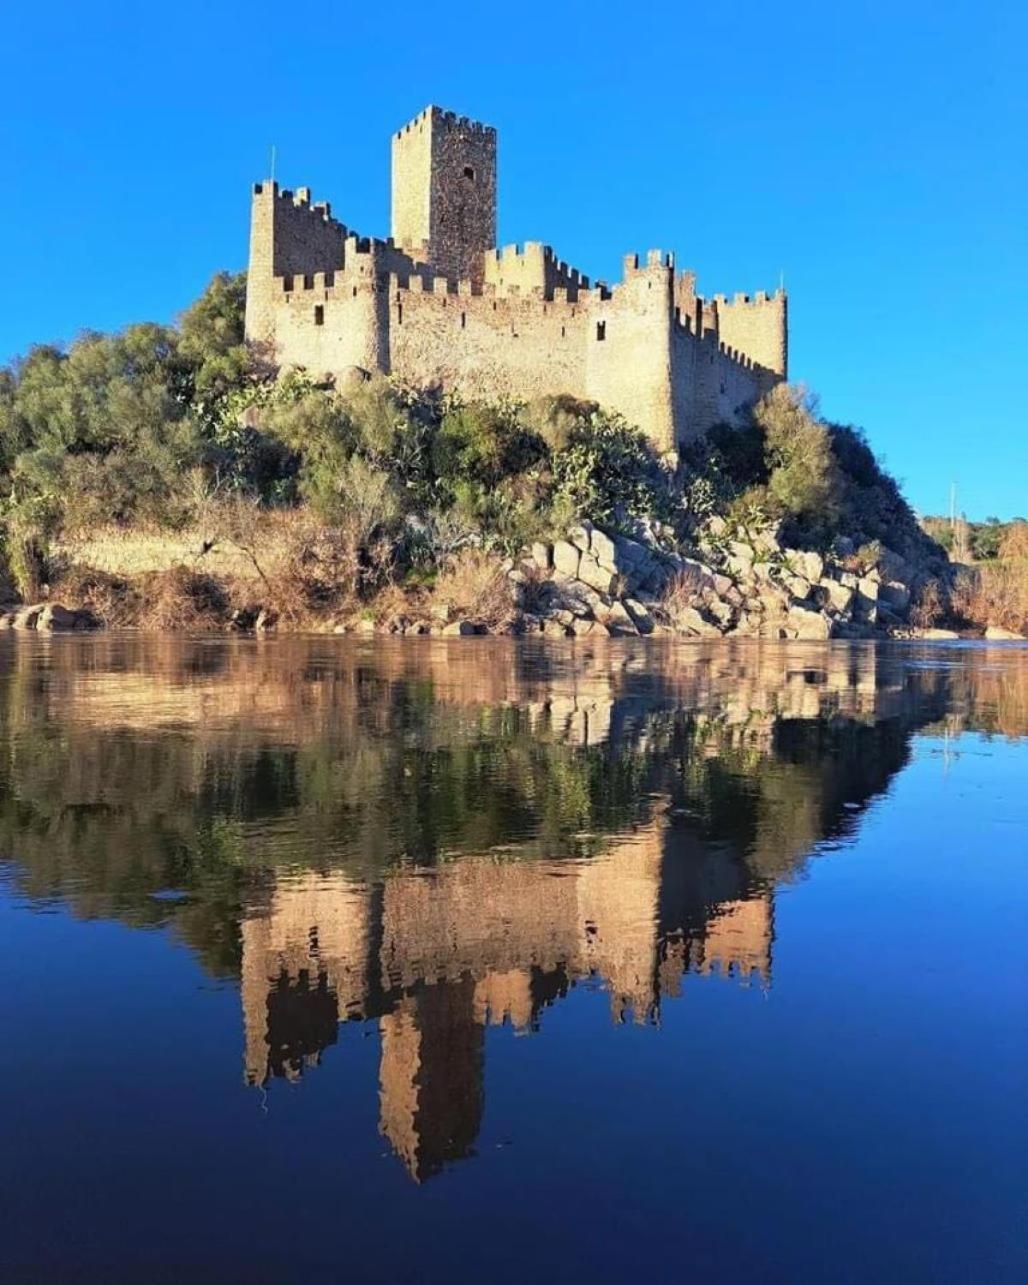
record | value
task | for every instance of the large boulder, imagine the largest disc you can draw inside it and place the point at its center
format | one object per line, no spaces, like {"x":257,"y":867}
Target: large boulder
{"x":838,"y":598}
{"x":996,"y":633}
{"x":895,"y":596}
{"x":721,"y":612}
{"x":866,"y":603}
{"x":618,"y":620}
{"x":805,"y":624}
{"x":640,"y":615}
{"x":566,"y":557}
{"x":581,"y":536}
{"x":630,"y":554}
{"x":806,"y":563}
{"x":581,"y":599}
{"x":695,"y":574}
{"x":604,"y":549}
{"x":892,"y":566}
{"x":597,"y":577}
{"x":541,"y":555}
{"x":689,"y":621}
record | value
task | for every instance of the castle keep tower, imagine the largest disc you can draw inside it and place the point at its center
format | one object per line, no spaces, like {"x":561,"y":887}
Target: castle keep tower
{"x":439,"y":305}
{"x":444,"y":192}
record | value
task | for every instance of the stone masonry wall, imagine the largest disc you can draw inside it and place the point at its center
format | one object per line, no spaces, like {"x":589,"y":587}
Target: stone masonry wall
{"x":535,"y":267}
{"x":618,"y":347}
{"x":463,"y":198}
{"x":486,"y":345}
{"x":287,"y":235}
{"x":412,"y":184}
{"x":757,"y":327}
{"x":628,"y":366}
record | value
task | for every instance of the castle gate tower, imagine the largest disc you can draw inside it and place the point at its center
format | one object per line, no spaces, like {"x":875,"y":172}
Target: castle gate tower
{"x":444,"y":192}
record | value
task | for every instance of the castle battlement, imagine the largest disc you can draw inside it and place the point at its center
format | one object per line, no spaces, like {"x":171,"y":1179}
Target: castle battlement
{"x":439,"y":304}
{"x":739,"y":299}
{"x":447,"y":120}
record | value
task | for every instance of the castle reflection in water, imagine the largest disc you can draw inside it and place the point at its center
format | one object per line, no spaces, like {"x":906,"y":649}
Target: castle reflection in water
{"x":435,"y":956}
{"x":435,"y":838}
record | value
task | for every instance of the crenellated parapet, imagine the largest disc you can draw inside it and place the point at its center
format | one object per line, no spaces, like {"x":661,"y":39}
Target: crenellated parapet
{"x":533,"y":268}
{"x":447,"y":120}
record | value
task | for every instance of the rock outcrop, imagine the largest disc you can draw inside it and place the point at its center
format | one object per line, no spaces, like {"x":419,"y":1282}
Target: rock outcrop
{"x":742,"y":585}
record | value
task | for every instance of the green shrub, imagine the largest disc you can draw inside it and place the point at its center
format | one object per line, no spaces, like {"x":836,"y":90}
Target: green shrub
{"x":483,"y":444}
{"x":556,"y":419}
{"x":610,"y":473}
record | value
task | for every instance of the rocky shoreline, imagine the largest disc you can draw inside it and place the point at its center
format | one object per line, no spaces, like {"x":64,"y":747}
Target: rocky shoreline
{"x":603,"y":583}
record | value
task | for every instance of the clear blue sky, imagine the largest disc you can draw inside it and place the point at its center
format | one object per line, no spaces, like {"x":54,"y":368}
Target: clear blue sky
{"x":873,"y":152}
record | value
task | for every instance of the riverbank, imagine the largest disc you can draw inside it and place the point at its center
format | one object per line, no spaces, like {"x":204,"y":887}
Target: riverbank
{"x":597,"y":581}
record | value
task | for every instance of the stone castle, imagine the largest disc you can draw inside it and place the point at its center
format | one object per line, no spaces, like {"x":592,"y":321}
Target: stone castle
{"x":437,"y":304}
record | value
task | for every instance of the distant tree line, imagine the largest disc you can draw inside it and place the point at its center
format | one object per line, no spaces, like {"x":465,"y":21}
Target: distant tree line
{"x":980,"y":541}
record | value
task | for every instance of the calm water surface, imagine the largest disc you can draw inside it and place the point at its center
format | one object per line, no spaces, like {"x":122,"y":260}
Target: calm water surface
{"x":431,"y":961}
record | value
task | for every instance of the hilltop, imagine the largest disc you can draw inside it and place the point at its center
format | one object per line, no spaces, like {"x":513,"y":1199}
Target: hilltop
{"x":167,"y":477}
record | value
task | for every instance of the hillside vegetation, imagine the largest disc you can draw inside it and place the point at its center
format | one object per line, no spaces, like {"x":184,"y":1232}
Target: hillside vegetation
{"x":341,"y":503}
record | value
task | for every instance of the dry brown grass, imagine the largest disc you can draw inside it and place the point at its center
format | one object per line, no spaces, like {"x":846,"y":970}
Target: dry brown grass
{"x":1015,"y":544}
{"x":286,"y":561}
{"x":928,"y":606}
{"x":182,"y":599}
{"x":299,"y":567}
{"x":993,"y":594}
{"x":129,"y":552}
{"x":114,"y":600}
{"x":677,"y":603}
{"x":177,"y":599}
{"x":474,"y":586}
{"x":397,"y":602}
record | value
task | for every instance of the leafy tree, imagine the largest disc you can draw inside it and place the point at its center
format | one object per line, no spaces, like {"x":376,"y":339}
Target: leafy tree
{"x":804,"y":482}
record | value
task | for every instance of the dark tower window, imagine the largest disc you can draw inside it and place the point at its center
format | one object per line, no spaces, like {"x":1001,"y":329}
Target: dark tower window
{"x":469,"y":172}
{"x":319,"y":314}
{"x":601,"y":330}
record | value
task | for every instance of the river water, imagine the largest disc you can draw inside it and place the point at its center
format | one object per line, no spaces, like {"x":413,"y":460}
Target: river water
{"x":426,"y":960}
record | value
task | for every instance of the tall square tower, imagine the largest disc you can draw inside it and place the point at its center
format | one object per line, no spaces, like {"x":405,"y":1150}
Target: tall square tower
{"x":444,"y":191}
